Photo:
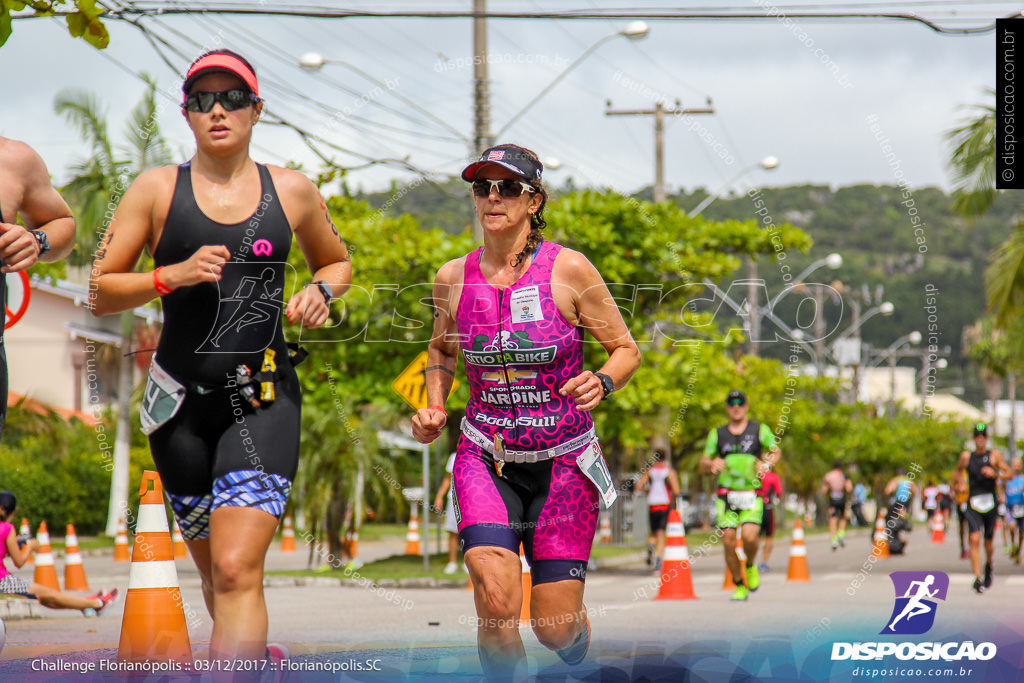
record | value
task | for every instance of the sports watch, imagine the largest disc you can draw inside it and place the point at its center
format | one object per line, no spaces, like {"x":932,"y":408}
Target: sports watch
{"x":325,"y":289}
{"x":42,"y":240}
{"x":606,"y":383}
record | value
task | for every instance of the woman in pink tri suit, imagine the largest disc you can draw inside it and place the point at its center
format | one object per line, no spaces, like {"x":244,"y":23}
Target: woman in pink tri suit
{"x":528,"y":467}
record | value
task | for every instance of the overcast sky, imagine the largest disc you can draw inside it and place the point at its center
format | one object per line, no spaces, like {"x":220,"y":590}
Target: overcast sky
{"x":772,"y":88}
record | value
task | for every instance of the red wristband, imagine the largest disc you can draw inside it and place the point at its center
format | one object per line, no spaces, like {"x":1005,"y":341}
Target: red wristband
{"x":160,"y":287}
{"x":441,"y":408}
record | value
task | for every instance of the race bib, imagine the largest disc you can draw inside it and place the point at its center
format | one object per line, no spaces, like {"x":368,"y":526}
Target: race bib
{"x":984,"y":502}
{"x":525,"y":305}
{"x":162,"y":398}
{"x":741,"y":500}
{"x":591,"y":463}
{"x":1017,"y":511}
{"x":838,"y":497}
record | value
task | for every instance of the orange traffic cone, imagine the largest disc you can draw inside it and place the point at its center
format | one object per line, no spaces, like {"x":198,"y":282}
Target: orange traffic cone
{"x":288,"y":536}
{"x":353,"y":545}
{"x":121,"y":542}
{"x":729,"y":584}
{"x":74,"y":572}
{"x":798,"y":569}
{"x":676,"y":580}
{"x":524,"y":613}
{"x":938,"y":529}
{"x":46,"y":573}
{"x":412,"y":537}
{"x":180,"y":549}
{"x":881,"y":546}
{"x":25,"y":530}
{"x":605,"y":534}
{"x":154,"y":627}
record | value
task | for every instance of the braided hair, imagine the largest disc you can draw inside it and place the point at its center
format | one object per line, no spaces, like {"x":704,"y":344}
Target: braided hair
{"x":537,"y":222}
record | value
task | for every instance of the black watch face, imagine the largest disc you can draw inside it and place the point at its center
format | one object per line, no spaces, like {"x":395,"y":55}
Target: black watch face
{"x":42,"y":240}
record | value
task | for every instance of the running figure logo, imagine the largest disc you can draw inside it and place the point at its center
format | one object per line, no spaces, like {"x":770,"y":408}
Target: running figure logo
{"x":247,"y":316}
{"x":916,"y":592}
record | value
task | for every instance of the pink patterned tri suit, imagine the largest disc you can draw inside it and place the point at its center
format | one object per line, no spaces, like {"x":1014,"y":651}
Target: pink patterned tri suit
{"x":519,"y":350}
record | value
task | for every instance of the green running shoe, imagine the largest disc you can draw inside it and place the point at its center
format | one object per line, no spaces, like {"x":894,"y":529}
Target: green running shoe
{"x":741,"y":593}
{"x":753,"y":579}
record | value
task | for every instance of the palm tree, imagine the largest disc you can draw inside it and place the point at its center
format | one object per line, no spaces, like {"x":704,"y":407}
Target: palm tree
{"x":99,"y":180}
{"x":94,"y":191}
{"x":973,"y":163}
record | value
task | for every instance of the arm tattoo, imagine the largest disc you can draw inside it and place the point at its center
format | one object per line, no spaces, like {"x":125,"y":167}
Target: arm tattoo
{"x":439,"y":367}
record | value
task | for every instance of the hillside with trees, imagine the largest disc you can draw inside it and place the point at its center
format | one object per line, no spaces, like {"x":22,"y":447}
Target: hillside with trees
{"x":892,"y":242}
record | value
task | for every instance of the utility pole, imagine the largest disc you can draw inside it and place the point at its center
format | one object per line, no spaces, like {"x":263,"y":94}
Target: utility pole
{"x":481,"y":97}
{"x":481,"y":87}
{"x":658,"y":113}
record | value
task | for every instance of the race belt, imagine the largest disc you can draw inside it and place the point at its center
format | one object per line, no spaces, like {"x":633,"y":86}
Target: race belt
{"x":481,"y":440}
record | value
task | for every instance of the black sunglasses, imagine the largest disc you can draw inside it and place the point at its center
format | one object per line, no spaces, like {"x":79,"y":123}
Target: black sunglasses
{"x":229,"y":99}
{"x":735,"y":402}
{"x":506,"y":188}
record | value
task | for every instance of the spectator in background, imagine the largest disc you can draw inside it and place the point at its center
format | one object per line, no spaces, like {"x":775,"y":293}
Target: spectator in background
{"x":771,"y":493}
{"x":450,"y":524}
{"x":662,"y":484}
{"x":18,"y":549}
{"x":860,"y":496}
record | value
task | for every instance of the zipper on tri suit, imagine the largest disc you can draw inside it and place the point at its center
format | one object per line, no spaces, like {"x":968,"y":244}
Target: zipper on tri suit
{"x":499,"y":464}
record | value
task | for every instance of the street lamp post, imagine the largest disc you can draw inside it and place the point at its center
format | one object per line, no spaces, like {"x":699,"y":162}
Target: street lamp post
{"x":635,"y":30}
{"x":833,"y":261}
{"x":313,"y":62}
{"x":753,"y":318}
{"x":885,"y":308}
{"x":890,"y":354}
{"x":768,"y":163}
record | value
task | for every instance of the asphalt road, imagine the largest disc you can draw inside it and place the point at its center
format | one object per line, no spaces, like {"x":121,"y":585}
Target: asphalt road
{"x":783,"y":631}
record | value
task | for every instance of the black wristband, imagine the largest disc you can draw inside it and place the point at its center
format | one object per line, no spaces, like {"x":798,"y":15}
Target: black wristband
{"x":325,"y":289}
{"x":42,"y":241}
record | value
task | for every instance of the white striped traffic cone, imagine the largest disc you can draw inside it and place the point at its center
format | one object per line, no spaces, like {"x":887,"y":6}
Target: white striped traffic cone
{"x":524,"y":612}
{"x":121,"y":542}
{"x":676,"y":580}
{"x":153,"y":628}
{"x":798,"y":569}
{"x":46,"y":572}
{"x":605,"y":534}
{"x":25,"y":530}
{"x":288,"y":536}
{"x":74,"y":572}
{"x":180,"y":549}
{"x":412,"y":537}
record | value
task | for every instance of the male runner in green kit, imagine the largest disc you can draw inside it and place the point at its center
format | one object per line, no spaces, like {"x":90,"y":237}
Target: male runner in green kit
{"x":739,"y":453}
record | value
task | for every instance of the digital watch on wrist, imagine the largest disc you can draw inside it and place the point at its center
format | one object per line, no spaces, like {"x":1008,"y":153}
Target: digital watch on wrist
{"x":325,"y":289}
{"x":42,"y":240}
{"x":606,"y":383}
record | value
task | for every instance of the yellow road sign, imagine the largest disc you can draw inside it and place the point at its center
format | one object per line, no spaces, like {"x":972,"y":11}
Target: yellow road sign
{"x":411,"y":383}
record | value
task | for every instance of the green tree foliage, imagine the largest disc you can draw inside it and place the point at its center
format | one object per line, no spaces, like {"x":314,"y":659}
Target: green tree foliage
{"x":82,"y":16}
{"x":375,"y":331}
{"x":57,"y":471}
{"x":973,"y":163}
{"x":99,"y":180}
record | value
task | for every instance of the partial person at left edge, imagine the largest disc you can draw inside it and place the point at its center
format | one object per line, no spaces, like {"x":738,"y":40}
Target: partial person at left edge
{"x":48,"y":233}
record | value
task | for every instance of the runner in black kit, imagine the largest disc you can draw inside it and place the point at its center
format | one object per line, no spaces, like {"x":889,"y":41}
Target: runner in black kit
{"x":984,"y":468}
{"x":220,"y":227}
{"x":25,"y":189}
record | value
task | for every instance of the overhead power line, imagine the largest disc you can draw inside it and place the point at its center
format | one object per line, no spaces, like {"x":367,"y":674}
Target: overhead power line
{"x":316,"y":12}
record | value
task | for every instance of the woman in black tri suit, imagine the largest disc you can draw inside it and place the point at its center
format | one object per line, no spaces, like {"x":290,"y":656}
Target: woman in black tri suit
{"x":222,"y":404}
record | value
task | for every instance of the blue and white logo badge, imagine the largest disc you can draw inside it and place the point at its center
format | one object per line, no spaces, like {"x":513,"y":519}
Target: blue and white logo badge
{"x":916,"y":595}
